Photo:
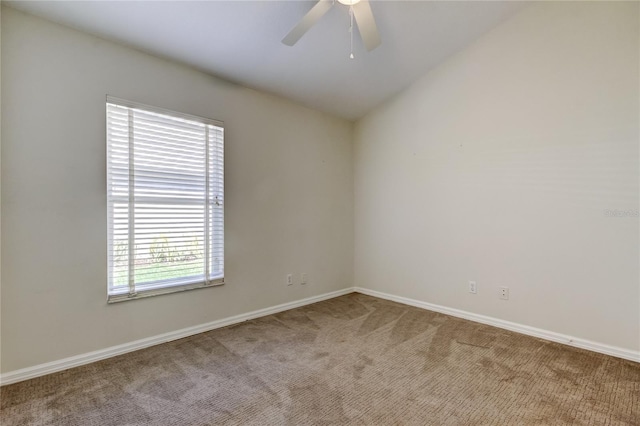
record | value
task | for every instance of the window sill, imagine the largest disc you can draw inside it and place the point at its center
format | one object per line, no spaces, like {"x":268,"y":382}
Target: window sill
{"x":122,"y":297}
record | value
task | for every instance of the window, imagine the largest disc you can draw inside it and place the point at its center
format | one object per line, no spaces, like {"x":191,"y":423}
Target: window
{"x":165,"y":197}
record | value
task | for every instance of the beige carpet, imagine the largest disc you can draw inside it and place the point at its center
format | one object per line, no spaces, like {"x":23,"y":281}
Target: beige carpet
{"x":350,"y":360}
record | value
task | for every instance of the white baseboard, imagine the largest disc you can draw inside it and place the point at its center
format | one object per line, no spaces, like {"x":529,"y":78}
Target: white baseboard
{"x":87,"y":358}
{"x":512,"y":326}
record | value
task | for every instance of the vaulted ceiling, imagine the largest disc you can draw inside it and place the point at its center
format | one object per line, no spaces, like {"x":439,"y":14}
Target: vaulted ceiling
{"x":241,"y":41}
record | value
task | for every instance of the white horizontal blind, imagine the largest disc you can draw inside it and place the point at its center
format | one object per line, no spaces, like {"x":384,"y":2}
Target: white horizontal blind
{"x":165,"y":190}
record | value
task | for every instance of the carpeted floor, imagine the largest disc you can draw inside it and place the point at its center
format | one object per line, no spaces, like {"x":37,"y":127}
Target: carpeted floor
{"x":351,"y":360}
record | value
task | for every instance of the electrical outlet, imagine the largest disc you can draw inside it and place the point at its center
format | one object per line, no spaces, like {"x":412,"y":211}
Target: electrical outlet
{"x":473,"y":288}
{"x":504,"y":293}
{"x":303,"y":278}
{"x":289,"y":279}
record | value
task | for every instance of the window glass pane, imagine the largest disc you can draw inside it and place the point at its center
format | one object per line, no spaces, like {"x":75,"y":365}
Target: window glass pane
{"x":169,"y":242}
{"x":165,"y":200}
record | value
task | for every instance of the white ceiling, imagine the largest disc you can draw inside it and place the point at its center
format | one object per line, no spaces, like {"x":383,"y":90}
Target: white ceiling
{"x":241,"y":41}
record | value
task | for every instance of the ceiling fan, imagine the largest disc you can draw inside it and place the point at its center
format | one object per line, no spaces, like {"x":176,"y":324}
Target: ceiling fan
{"x":358,"y":9}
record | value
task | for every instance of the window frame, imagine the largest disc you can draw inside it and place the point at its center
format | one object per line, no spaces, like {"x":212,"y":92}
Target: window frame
{"x":171,"y":285}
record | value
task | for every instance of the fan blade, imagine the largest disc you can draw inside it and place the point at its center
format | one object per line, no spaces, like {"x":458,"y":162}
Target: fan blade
{"x":307,"y":22}
{"x":366,"y":24}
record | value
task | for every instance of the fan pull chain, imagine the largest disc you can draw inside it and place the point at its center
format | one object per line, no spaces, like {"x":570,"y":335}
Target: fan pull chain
{"x":351,"y":29}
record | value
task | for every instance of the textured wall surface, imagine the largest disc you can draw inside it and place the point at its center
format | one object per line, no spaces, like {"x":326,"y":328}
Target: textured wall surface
{"x":289,"y":194}
{"x":502,"y":166}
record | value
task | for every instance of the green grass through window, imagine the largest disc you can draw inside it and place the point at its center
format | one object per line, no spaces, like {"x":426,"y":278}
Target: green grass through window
{"x":157,"y":271}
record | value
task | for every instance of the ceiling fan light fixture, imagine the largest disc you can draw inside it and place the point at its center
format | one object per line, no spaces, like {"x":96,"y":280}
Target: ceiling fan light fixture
{"x":359,"y":10}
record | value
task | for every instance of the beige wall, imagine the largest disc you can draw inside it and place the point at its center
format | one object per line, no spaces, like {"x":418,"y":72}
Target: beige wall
{"x":0,"y":187}
{"x":289,"y":194}
{"x":498,"y":167}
